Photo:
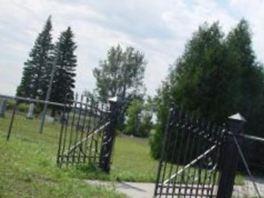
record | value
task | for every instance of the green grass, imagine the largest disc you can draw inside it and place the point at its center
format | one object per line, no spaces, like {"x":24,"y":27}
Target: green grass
{"x":28,"y":168}
{"x":131,"y":162}
{"x":131,"y":156}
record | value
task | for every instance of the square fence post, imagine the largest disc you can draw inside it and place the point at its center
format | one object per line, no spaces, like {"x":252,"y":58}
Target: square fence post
{"x":229,"y":157}
{"x":12,"y":120}
{"x":109,"y":137}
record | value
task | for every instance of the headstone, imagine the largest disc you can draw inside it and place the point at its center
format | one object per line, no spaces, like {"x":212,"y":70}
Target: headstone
{"x":49,"y":119}
{"x":30,"y":114}
{"x":3,"y":107}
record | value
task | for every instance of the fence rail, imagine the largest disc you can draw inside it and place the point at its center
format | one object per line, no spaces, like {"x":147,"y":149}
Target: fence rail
{"x":85,"y":128}
{"x":199,"y":158}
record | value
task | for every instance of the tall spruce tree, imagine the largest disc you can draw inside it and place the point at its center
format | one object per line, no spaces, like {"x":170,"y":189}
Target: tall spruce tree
{"x":37,"y":69}
{"x":66,"y":61}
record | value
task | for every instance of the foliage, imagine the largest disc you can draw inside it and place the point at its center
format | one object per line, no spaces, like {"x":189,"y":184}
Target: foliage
{"x":215,"y":77}
{"x":91,"y":95}
{"x":63,"y":83}
{"x":139,"y":115}
{"x":23,"y":107}
{"x":121,"y":74}
{"x":37,"y":69}
{"x":133,"y":123}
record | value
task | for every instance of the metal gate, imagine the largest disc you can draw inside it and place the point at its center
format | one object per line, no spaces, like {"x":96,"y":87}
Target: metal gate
{"x":87,"y":133}
{"x":190,"y":157}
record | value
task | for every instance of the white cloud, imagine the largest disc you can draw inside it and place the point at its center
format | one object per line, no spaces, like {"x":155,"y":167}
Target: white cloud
{"x":158,"y":28}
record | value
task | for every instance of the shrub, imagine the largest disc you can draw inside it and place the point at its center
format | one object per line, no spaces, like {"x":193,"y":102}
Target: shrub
{"x":139,"y":119}
{"x":23,"y":107}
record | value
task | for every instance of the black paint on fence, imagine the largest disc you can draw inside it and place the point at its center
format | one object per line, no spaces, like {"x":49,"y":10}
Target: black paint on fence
{"x":87,"y":133}
{"x":194,"y":160}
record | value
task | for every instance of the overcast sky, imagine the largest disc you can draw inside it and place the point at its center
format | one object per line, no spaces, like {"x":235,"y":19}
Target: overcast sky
{"x":159,"y":28}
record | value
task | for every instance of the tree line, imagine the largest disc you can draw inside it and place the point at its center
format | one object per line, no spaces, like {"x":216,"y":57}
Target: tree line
{"x":121,"y":74}
{"x":215,"y":77}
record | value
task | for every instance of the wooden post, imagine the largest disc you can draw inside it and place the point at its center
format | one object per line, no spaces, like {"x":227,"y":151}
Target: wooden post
{"x":229,"y":157}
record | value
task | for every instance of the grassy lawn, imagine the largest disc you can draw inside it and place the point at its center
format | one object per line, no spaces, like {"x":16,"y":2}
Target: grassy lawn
{"x":131,"y":162}
{"x":131,"y":156}
{"x":28,"y":169}
{"x":28,"y":164}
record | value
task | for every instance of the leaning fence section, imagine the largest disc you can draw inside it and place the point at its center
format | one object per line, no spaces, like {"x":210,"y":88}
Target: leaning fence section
{"x":82,"y":129}
{"x":190,"y":157}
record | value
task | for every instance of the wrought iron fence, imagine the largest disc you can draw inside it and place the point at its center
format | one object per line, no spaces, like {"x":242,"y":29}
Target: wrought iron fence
{"x":20,"y":116}
{"x":195,"y":159}
{"x":83,"y":130}
{"x":87,"y":133}
{"x":190,"y":157}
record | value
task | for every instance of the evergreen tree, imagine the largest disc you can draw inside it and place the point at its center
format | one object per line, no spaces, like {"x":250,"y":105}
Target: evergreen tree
{"x":37,"y":69}
{"x":214,"y":78}
{"x":247,"y":78}
{"x":66,"y":61}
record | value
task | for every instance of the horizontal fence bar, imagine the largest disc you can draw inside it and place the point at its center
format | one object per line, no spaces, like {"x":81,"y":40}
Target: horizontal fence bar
{"x":191,"y":163}
{"x":251,"y":137}
{"x":30,"y":100}
{"x":47,"y":102}
{"x":188,"y":186}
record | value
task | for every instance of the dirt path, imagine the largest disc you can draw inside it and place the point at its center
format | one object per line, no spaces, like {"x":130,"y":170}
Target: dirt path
{"x":146,"y":190}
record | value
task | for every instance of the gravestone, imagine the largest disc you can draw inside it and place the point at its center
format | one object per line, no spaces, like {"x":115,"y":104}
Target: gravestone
{"x":30,"y":114}
{"x":3,"y":105}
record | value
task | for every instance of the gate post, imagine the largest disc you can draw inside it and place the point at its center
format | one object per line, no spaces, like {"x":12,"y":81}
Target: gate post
{"x":109,"y":137}
{"x":229,"y":157}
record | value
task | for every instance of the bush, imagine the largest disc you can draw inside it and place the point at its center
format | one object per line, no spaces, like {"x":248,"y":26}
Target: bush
{"x":139,"y":118}
{"x":10,"y":104}
{"x":23,"y":107}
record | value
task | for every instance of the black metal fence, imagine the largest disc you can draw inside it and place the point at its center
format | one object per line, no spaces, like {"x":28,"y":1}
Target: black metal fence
{"x":81,"y":130}
{"x":21,"y":117}
{"x":195,"y":160}
{"x":87,"y":133}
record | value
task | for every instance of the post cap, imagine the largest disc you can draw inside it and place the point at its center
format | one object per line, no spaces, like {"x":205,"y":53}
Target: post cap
{"x":113,"y":99}
{"x":237,"y":117}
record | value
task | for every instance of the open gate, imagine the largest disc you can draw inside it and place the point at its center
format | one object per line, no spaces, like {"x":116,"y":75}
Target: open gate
{"x":87,"y":133}
{"x":190,"y":157}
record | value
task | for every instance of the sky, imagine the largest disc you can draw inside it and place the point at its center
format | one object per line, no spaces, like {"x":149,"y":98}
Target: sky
{"x":158,"y":28}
